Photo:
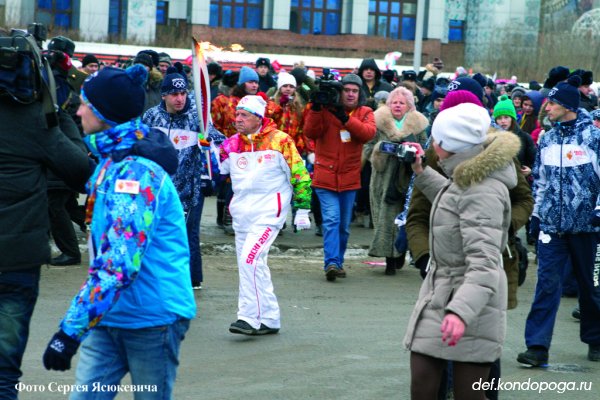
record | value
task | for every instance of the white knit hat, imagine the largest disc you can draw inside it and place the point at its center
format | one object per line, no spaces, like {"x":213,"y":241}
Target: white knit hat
{"x":461,"y":127}
{"x":285,"y":79}
{"x":253,"y":104}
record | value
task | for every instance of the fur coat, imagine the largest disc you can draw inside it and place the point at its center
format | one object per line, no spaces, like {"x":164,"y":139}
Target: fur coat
{"x":390,"y":177}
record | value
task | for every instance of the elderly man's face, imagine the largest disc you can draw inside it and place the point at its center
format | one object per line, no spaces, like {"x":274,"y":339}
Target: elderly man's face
{"x":246,"y":122}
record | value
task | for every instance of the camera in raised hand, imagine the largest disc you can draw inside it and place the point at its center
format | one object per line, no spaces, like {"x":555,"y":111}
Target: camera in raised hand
{"x":405,"y":152}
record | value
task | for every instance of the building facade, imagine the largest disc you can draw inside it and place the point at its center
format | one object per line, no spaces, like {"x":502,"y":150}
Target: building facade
{"x":455,"y":30}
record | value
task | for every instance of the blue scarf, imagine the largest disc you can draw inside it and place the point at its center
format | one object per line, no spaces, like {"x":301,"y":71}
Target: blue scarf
{"x":120,"y":137}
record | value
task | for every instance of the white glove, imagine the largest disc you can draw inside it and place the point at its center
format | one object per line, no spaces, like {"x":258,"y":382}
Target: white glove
{"x":302,"y":221}
{"x":310,"y":158}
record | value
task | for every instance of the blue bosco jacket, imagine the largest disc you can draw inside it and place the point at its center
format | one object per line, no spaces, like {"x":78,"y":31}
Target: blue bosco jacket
{"x":183,"y":129}
{"x":566,"y":175}
{"x":139,"y":256}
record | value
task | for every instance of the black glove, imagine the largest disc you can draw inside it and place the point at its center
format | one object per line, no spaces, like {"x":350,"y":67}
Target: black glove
{"x":60,"y":351}
{"x":315,"y":103}
{"x":595,"y":221}
{"x":340,"y":114}
{"x":534,"y":227}
{"x":421,"y":264}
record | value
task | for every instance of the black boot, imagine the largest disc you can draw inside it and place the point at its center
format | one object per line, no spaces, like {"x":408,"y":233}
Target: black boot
{"x":400,"y":261}
{"x":390,"y":265}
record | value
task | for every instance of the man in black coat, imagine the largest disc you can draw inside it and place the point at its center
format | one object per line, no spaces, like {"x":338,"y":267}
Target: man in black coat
{"x":28,"y":149}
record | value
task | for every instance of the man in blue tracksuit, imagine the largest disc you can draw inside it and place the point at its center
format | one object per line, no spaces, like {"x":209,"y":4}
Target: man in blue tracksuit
{"x":566,"y":220}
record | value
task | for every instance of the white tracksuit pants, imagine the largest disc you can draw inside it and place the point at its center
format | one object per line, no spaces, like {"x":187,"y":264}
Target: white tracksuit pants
{"x":257,"y":302}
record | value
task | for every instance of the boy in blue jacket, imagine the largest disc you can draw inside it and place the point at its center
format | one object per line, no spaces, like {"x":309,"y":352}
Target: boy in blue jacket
{"x":136,"y":304}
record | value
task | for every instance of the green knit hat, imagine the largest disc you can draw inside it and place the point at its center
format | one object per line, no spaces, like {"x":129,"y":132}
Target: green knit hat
{"x":504,"y":107}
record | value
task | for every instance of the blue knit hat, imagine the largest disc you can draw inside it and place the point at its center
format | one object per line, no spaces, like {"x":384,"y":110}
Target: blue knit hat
{"x":247,"y":74}
{"x":567,"y":93}
{"x":468,"y":84}
{"x":115,"y":95}
{"x":173,"y":83}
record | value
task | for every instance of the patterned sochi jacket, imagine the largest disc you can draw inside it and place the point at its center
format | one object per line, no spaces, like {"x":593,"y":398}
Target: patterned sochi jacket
{"x":271,"y":139}
{"x":139,"y":257}
{"x":183,"y":129}
{"x":566,"y":176}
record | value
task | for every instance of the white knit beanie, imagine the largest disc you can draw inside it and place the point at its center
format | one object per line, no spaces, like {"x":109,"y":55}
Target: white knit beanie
{"x":461,"y":127}
{"x":253,"y":104}
{"x":285,"y":79}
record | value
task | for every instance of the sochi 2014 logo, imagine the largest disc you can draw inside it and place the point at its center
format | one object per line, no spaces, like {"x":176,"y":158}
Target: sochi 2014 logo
{"x":552,"y":92}
{"x":242,"y":163}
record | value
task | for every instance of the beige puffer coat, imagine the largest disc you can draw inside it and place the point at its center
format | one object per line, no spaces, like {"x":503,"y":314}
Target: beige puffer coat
{"x":469,"y":222}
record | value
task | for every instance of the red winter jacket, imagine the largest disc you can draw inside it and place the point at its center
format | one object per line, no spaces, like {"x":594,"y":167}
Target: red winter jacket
{"x":337,"y":163}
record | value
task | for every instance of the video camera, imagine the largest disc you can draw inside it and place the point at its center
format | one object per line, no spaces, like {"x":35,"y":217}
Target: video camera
{"x":405,"y":152}
{"x":21,"y":64}
{"x":24,"y":73}
{"x":329,"y":90}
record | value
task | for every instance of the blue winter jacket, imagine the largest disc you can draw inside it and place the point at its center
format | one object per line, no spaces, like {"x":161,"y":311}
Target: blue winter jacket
{"x":192,"y":172}
{"x":567,"y":176}
{"x":139,"y":256}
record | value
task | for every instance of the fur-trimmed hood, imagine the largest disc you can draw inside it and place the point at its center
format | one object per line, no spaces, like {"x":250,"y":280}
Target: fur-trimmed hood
{"x":494,"y":158}
{"x":414,"y":123}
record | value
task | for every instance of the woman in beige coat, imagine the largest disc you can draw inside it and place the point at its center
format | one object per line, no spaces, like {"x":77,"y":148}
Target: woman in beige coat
{"x":397,"y":121}
{"x":461,"y":311}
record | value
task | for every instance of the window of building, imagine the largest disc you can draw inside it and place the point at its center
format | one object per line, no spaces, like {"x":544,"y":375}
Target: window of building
{"x":315,"y":16}
{"x":393,"y":19}
{"x":456,"y":31}
{"x":162,"y":12}
{"x":236,"y":13}
{"x":117,"y":17}
{"x":54,"y":13}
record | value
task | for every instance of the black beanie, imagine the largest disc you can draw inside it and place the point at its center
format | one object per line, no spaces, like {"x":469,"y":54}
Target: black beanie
{"x":299,"y":74}
{"x":215,"y":69}
{"x":118,"y":95}
{"x":429,"y":83}
{"x":555,"y":75}
{"x":567,"y":93}
{"x":144,"y":59}
{"x":153,"y":55}
{"x":89,"y":59}
{"x":482,"y":80}
{"x":587,"y":77}
{"x":230,"y":78}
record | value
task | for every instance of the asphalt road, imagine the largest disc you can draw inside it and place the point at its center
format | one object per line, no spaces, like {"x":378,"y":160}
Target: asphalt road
{"x":340,"y":340}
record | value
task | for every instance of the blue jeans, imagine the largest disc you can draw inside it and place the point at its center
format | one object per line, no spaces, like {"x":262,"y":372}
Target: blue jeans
{"x":192,"y":227}
{"x":336,"y":210}
{"x":150,"y":355}
{"x":18,"y":294}
{"x":553,"y":257}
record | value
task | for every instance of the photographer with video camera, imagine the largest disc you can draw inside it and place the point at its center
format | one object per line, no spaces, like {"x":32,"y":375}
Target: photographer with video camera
{"x":340,"y":124}
{"x":397,"y":122}
{"x":31,"y":143}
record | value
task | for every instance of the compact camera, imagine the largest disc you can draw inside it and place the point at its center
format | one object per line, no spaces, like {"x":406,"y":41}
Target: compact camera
{"x":405,"y":152}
